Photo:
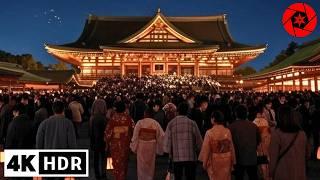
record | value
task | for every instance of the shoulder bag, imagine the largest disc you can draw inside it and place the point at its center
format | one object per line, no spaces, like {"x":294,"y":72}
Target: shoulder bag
{"x":285,"y":151}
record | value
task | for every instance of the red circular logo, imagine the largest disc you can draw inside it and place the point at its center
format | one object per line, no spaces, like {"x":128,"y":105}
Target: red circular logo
{"x":299,"y":19}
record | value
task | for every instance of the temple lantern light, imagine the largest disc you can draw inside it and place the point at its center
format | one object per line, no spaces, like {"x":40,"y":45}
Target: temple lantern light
{"x":109,"y":165}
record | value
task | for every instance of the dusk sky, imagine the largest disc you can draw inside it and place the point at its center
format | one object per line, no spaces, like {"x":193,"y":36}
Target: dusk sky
{"x":27,"y":25}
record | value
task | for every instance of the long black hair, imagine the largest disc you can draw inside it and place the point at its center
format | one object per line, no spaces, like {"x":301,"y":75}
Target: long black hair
{"x":289,"y":120}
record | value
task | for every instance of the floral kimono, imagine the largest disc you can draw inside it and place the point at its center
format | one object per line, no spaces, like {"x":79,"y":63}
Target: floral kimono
{"x":217,"y":153}
{"x":118,"y":134}
{"x":147,"y":141}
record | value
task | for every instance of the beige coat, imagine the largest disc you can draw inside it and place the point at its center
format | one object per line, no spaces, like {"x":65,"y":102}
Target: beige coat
{"x":77,"y":110}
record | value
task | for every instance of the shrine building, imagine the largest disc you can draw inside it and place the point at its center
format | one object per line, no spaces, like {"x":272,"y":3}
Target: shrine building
{"x":197,"y":45}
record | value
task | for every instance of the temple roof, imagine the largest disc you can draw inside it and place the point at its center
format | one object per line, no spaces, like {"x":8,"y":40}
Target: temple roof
{"x":55,"y":76}
{"x":16,"y":70}
{"x":110,"y":31}
{"x":307,"y":55}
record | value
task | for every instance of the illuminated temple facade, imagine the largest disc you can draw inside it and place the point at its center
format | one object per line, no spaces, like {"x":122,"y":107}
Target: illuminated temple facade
{"x":198,"y":45}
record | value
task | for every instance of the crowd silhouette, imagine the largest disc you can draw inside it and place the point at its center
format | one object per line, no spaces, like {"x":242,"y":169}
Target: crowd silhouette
{"x":186,"y":119}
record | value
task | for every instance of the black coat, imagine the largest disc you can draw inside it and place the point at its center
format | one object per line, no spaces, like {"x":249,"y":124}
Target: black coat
{"x":39,"y":116}
{"x":160,"y":117}
{"x":202,"y":119}
{"x":19,"y":135}
{"x":137,"y":110}
{"x":98,"y":125}
{"x":5,"y":118}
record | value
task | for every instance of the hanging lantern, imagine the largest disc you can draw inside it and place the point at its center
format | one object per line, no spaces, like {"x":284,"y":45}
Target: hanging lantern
{"x":318,"y":153}
{"x":109,"y":163}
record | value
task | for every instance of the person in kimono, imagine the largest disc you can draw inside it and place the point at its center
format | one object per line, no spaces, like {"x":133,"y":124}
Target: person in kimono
{"x":263,"y":148}
{"x":217,"y":152}
{"x":118,"y":134}
{"x":147,"y":141}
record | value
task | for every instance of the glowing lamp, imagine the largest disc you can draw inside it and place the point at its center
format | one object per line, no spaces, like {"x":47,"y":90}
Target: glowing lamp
{"x":1,"y":157}
{"x":109,"y":164}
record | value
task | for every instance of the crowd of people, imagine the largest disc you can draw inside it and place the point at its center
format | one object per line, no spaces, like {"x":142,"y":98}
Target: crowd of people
{"x":264,"y":135}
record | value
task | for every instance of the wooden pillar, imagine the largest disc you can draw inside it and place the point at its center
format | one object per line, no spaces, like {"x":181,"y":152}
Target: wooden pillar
{"x":96,"y":68}
{"x":10,"y":86}
{"x":140,"y":69}
{"x":197,"y":68}
{"x":315,"y":83}
{"x":282,"y":85}
{"x":300,"y":83}
{"x":179,"y":68}
{"x":151,"y":69}
{"x":294,"y":85}
{"x":166,"y":67}
{"x":216,"y":67}
{"x":122,"y":68}
{"x":309,"y":84}
{"x":268,"y":85}
{"x":112,"y":59}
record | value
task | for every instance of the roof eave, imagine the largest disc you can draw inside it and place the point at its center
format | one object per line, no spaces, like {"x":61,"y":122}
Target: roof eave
{"x":121,"y":49}
{"x":60,"y":48}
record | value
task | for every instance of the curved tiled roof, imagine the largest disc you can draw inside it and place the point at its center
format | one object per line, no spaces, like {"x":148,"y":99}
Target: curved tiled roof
{"x":17,"y":70}
{"x":108,"y":31}
{"x":55,"y":76}
{"x":303,"y":56}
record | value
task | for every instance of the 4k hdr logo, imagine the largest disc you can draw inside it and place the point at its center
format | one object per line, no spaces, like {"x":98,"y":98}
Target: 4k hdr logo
{"x":299,"y":19}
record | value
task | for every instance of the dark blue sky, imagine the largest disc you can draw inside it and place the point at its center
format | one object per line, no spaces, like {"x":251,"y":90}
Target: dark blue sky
{"x":27,"y":25}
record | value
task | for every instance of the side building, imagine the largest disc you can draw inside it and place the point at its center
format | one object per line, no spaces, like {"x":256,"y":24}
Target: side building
{"x":14,"y":78}
{"x":197,"y":45}
{"x":300,"y":71}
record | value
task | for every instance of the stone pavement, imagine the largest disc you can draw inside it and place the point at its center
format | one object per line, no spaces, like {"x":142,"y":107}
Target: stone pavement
{"x":161,"y":163}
